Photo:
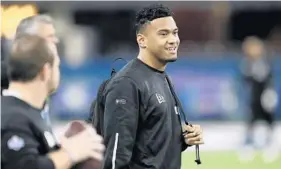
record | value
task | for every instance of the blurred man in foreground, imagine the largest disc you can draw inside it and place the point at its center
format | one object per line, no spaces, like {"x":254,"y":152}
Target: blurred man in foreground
{"x":141,"y":124}
{"x":26,"y":139}
{"x":258,"y":74}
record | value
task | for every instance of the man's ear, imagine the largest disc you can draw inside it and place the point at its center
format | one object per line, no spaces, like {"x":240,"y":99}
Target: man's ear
{"x":45,"y":72}
{"x":141,"y":39}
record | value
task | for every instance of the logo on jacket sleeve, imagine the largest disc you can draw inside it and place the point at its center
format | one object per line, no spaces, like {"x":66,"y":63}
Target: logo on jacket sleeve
{"x":15,"y":143}
{"x":160,"y":98}
{"x":120,"y":101}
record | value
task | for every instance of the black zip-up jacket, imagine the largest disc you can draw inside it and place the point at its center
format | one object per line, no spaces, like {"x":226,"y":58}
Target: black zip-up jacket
{"x":141,"y":127}
{"x":26,"y":138}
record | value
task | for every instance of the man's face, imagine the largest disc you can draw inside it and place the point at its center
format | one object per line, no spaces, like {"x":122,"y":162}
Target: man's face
{"x":54,"y":80}
{"x":162,"y":40}
{"x":48,"y":32}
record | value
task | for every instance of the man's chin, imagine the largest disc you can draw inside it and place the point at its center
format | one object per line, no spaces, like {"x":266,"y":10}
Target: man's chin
{"x":168,"y":60}
{"x":172,"y":59}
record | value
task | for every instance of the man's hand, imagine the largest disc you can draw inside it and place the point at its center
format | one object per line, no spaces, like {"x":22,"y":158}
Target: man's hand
{"x":193,"y":135}
{"x":82,"y":142}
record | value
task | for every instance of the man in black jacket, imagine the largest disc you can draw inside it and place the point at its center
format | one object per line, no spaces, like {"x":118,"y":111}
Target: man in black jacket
{"x":27,"y":141}
{"x":141,"y":125}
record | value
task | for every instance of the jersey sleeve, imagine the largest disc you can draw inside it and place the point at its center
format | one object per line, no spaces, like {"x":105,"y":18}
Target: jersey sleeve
{"x":19,"y":148}
{"x":120,"y":123}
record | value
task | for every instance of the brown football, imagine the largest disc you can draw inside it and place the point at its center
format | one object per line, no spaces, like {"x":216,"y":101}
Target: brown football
{"x":75,"y":128}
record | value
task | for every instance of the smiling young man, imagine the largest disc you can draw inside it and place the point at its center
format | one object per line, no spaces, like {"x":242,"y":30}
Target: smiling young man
{"x":140,"y":125}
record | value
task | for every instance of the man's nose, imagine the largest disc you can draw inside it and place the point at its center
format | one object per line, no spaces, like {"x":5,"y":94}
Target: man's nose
{"x":173,"y":39}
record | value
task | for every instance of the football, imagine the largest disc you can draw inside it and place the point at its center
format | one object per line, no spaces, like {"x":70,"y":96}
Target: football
{"x":76,"y":127}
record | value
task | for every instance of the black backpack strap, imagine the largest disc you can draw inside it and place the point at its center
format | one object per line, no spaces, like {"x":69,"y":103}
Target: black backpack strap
{"x":113,"y":71}
{"x":92,"y":108}
{"x":97,"y":101}
{"x":96,"y":109}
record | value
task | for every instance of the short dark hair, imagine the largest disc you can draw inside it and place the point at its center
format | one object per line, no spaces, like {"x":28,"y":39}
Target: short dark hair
{"x":150,"y":13}
{"x":28,"y":56}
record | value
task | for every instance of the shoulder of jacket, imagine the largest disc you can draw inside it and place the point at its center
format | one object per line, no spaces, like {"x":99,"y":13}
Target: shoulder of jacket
{"x":125,"y":78}
{"x":14,"y":116}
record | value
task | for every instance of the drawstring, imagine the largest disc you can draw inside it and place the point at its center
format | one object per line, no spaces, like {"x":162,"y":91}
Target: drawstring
{"x":178,"y":104}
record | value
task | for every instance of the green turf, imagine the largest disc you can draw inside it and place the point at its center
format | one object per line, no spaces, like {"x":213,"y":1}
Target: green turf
{"x":226,"y":160}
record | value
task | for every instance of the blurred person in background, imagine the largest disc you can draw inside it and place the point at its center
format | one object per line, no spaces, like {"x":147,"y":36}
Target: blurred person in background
{"x":27,"y":141}
{"x":41,"y":25}
{"x":257,"y":72}
{"x":141,"y":124}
